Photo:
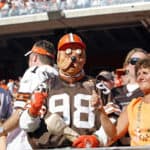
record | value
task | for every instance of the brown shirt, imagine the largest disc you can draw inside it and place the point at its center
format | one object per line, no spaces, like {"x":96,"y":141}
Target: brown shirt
{"x":72,"y":103}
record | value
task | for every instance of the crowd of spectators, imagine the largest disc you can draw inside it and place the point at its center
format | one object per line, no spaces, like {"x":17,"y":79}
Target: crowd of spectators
{"x":115,"y":97}
{"x":11,"y":86}
{"x":106,"y":81}
{"x":24,"y":7}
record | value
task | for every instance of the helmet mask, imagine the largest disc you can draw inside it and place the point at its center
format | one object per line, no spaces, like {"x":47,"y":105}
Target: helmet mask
{"x":71,"y":63}
{"x":71,"y":55}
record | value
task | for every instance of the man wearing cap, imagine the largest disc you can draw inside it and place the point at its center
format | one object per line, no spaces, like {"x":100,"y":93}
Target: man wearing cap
{"x":39,"y":73}
{"x":104,"y":84}
{"x":105,"y":88}
{"x":70,"y":100}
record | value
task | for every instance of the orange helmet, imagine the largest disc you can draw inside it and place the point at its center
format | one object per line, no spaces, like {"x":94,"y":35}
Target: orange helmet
{"x":69,"y":39}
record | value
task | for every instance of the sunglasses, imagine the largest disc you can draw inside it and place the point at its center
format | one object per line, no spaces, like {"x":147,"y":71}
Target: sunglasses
{"x":134,"y":60}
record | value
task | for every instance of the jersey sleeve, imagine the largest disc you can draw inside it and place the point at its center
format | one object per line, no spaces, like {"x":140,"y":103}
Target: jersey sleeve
{"x":32,"y":79}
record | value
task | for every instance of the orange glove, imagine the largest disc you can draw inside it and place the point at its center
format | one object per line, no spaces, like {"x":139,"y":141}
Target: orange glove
{"x":37,"y":102}
{"x":86,"y":141}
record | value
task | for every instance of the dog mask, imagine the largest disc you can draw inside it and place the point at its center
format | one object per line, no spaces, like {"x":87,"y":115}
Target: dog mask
{"x":71,"y":60}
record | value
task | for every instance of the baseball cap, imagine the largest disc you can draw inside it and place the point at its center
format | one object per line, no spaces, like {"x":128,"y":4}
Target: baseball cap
{"x":37,"y":48}
{"x":105,"y":75}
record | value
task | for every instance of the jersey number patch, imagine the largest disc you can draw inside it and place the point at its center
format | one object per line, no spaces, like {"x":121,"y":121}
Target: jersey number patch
{"x":79,"y":109}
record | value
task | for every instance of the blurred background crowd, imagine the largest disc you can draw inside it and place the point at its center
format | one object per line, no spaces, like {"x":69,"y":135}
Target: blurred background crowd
{"x":23,"y":7}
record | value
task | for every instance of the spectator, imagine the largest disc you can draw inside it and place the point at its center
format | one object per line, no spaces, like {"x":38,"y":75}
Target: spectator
{"x":41,"y":61}
{"x":70,"y":98}
{"x":135,"y":117}
{"x":130,"y":89}
{"x":5,"y":112}
{"x":105,"y":86}
{"x":122,"y":95}
{"x":3,"y":84}
{"x":2,"y":3}
{"x":10,"y":86}
{"x":119,"y":77}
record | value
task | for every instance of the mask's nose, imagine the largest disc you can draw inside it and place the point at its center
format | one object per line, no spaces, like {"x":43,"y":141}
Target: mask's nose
{"x":73,"y":58}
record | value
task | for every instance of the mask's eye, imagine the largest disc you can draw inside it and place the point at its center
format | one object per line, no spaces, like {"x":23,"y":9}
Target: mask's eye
{"x":68,"y":51}
{"x":79,"y":51}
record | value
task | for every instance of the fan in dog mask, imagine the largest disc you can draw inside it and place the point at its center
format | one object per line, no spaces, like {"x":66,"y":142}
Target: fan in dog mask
{"x":71,"y":120}
{"x":71,"y":57}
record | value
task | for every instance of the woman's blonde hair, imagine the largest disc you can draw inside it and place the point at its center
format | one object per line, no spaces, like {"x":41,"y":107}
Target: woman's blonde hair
{"x":131,"y":52}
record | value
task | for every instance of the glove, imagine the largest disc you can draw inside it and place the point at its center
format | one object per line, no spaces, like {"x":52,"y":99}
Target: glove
{"x":55,"y":124}
{"x":86,"y":141}
{"x":36,"y":103}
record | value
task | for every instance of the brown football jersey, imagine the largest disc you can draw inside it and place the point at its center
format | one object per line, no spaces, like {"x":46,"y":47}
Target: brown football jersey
{"x":72,"y":103}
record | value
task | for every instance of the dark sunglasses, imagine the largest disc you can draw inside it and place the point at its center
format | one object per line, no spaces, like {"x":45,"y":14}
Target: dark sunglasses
{"x":134,"y":60}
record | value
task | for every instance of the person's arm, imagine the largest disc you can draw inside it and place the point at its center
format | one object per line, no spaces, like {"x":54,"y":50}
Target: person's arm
{"x":108,"y":126}
{"x":12,"y":122}
{"x":3,"y":138}
{"x":30,"y":118}
{"x":106,"y":123}
{"x":94,"y":140}
{"x":110,"y":109}
{"x":121,"y":126}
{"x":3,"y":142}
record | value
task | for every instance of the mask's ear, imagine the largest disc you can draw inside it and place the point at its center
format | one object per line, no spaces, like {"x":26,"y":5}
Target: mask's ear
{"x":84,"y":56}
{"x":63,"y":62}
{"x":58,"y":56}
{"x":59,"y":59}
